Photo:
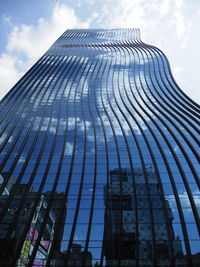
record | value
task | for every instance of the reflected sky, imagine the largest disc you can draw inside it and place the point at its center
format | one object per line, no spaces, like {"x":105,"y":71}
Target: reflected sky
{"x":100,"y":158}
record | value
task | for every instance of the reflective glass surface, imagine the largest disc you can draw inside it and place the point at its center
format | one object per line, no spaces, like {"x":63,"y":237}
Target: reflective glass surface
{"x":99,"y":158}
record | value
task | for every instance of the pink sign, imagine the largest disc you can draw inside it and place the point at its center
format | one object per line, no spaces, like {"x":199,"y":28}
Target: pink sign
{"x":32,"y":233}
{"x":45,"y":243}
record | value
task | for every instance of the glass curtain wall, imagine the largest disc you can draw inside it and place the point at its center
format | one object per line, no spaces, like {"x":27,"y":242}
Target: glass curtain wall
{"x":99,"y":158}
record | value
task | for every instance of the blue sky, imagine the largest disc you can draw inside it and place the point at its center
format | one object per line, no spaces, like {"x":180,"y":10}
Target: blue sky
{"x":29,"y":27}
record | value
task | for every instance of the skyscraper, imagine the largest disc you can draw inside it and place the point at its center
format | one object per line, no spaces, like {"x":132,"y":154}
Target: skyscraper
{"x":99,"y":158}
{"x":120,"y":234}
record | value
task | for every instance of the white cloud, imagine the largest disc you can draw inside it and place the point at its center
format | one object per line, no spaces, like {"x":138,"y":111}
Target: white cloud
{"x":9,"y":73}
{"x":184,"y":201}
{"x":62,"y":124}
{"x":33,"y":41}
{"x":126,"y":13}
{"x":179,"y":23}
{"x":69,"y":149}
{"x":26,"y":43}
{"x":170,"y":25}
{"x":164,"y":7}
{"x":7,"y":19}
{"x":178,"y":3}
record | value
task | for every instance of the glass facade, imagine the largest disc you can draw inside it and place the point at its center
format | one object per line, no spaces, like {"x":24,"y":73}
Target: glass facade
{"x":99,"y":158}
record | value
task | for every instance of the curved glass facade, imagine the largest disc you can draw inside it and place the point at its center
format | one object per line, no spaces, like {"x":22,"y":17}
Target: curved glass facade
{"x":99,"y":158}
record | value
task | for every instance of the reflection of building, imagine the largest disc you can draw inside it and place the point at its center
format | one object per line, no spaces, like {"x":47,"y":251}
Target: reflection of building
{"x":77,"y":257}
{"x":8,"y":245}
{"x":100,"y":100}
{"x":32,"y":235}
{"x":6,"y":190}
{"x":151,"y":208}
